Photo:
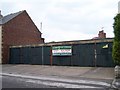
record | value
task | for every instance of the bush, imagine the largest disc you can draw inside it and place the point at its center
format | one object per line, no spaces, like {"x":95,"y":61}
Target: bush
{"x":116,"y":52}
{"x":116,"y":42}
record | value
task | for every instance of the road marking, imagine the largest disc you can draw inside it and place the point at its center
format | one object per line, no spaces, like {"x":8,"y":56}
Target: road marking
{"x":60,"y":79}
{"x":61,"y":85}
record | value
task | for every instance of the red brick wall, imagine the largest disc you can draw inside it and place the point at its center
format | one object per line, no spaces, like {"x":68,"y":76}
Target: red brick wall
{"x":19,"y":31}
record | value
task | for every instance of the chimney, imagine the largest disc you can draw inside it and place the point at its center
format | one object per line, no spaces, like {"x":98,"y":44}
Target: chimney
{"x":102,"y":34}
{"x":119,"y":7}
{"x":1,"y":16}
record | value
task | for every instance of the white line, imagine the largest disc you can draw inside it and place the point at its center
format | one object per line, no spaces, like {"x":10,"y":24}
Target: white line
{"x":60,"y":79}
{"x":61,"y":85}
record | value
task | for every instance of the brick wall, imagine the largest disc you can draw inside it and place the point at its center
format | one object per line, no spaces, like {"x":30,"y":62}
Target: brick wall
{"x":19,"y":31}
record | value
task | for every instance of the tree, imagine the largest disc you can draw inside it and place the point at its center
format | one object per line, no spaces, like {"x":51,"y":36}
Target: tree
{"x":116,"y":41}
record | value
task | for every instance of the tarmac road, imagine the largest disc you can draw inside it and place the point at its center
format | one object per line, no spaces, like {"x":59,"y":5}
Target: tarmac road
{"x":15,"y":82}
{"x":18,"y":82}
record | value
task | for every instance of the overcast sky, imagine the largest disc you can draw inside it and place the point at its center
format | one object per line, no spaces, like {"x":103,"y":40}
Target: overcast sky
{"x":65,"y":20}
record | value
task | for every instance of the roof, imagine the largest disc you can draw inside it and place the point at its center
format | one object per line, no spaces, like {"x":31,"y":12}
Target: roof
{"x":67,"y":43}
{"x":7,"y":18}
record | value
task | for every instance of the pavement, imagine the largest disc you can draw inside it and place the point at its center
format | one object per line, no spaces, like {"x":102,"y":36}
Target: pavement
{"x":94,"y":75}
{"x":61,"y":71}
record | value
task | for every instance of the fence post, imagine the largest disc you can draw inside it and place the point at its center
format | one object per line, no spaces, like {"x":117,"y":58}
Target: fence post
{"x":95,"y":54}
{"x":42,"y":55}
{"x":51,"y":56}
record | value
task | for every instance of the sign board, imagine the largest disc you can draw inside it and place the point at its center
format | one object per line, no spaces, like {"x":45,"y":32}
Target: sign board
{"x":62,"y":50}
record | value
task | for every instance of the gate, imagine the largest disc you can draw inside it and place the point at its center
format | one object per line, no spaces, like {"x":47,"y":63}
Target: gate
{"x":82,"y":55}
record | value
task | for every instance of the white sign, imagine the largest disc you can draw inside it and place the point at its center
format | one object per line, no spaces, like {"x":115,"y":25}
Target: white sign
{"x":61,"y":50}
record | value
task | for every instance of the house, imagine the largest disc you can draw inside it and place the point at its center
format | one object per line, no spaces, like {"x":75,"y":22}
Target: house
{"x":17,"y":29}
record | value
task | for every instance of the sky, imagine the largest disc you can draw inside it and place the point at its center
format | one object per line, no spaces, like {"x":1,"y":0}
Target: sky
{"x":66,"y":20}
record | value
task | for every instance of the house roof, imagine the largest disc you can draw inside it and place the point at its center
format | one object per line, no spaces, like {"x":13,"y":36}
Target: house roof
{"x":7,"y":18}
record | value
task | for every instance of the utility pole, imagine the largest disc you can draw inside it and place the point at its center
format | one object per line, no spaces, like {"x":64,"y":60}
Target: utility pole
{"x":41,"y":26}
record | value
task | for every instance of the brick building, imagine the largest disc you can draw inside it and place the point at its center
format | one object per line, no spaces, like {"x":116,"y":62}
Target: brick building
{"x":17,"y":29}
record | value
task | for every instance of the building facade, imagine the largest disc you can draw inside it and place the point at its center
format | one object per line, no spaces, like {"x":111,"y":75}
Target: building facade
{"x":17,"y":29}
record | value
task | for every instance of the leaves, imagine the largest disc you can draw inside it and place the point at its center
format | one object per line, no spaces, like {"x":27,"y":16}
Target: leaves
{"x":116,"y":42}
{"x":116,"y":52}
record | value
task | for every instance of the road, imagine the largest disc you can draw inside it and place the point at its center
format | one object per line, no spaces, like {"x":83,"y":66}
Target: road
{"x":19,"y":82}
{"x":15,"y":82}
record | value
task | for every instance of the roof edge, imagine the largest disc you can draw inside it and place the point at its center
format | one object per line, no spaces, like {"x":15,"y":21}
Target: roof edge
{"x":9,"y":17}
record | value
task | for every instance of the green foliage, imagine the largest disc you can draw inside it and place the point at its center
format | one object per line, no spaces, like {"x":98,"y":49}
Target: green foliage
{"x":116,"y":42}
{"x":116,"y":27}
{"x":116,"y":52}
